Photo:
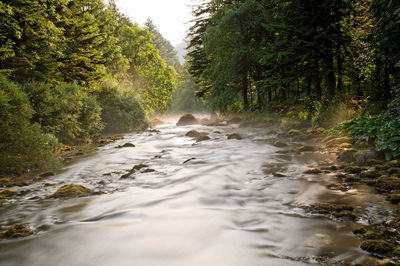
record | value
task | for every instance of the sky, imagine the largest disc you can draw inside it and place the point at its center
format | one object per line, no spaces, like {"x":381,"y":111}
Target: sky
{"x":170,"y":16}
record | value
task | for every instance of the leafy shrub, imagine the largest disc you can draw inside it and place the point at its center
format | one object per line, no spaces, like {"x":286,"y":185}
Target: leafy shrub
{"x":65,"y":111}
{"x":121,"y":109}
{"x":23,"y":147}
{"x":381,"y":130}
{"x":330,"y":112}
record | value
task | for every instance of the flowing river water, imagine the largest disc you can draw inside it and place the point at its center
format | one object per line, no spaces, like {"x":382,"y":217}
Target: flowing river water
{"x":215,"y":202}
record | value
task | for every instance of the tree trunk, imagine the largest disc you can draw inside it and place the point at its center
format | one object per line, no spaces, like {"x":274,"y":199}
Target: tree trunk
{"x":244,"y":91}
{"x":331,"y":79}
{"x":340,"y":74}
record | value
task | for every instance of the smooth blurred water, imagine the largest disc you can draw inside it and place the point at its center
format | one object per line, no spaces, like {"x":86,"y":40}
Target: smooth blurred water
{"x":223,"y":207}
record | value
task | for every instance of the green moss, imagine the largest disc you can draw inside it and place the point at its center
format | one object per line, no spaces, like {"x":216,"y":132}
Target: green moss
{"x":370,"y":174}
{"x":17,"y":230}
{"x":8,"y":182}
{"x":393,"y":163}
{"x":73,"y":191}
{"x":352,"y":169}
{"x":396,"y":251}
{"x":388,"y":184}
{"x":7,"y":193}
{"x":377,"y":246}
{"x":370,"y":234}
{"x":347,"y":155}
{"x":394,"y":171}
{"x":345,"y":146}
{"x":337,"y":141}
{"x":372,"y":162}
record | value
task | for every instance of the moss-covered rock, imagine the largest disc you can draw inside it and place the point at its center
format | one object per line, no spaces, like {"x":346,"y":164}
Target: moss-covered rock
{"x":12,"y":182}
{"x":352,"y":169}
{"x":73,"y":191}
{"x":393,"y":163}
{"x":337,"y":141}
{"x":187,"y":119}
{"x":17,"y":230}
{"x":394,"y":198}
{"x":314,"y":171}
{"x":352,"y":179}
{"x":387,"y":184}
{"x":372,"y":162}
{"x":234,"y":136}
{"x":279,"y":143}
{"x":338,"y":211}
{"x":370,"y":174}
{"x":394,"y":171}
{"x":381,"y":247}
{"x":193,"y":134}
{"x":305,"y":148}
{"x":347,"y":156}
{"x":126,"y":145}
{"x":345,"y":145}
{"x":7,"y":193}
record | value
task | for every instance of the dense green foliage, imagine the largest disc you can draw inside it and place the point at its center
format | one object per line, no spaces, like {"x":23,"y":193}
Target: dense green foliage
{"x":72,"y":70}
{"x":121,"y":109}
{"x":23,"y":146}
{"x":335,"y":59}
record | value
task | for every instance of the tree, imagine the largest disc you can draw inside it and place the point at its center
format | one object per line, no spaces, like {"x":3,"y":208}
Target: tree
{"x":167,"y":51}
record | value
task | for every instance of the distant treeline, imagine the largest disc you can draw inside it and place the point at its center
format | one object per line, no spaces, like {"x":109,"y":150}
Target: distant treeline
{"x":70,"y":70}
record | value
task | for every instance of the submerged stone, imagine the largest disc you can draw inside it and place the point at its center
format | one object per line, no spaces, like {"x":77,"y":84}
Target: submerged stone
{"x":193,"y":134}
{"x":305,"y":148}
{"x":234,"y":136}
{"x":314,"y":171}
{"x":280,"y":143}
{"x":17,"y":230}
{"x":202,"y":138}
{"x":126,"y":145}
{"x":187,"y":119}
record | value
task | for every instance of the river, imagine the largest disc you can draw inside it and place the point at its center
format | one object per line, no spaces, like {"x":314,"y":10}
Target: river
{"x":215,"y":202}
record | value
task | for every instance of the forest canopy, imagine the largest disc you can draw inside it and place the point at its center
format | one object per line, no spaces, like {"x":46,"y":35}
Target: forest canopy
{"x":70,"y":70}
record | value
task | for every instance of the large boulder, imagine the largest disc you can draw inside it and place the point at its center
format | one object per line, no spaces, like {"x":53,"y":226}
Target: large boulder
{"x":187,"y":119}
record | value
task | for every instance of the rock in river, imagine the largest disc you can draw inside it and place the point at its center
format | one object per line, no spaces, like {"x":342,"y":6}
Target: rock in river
{"x":73,"y":191}
{"x":187,"y":119}
{"x":17,"y":230}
